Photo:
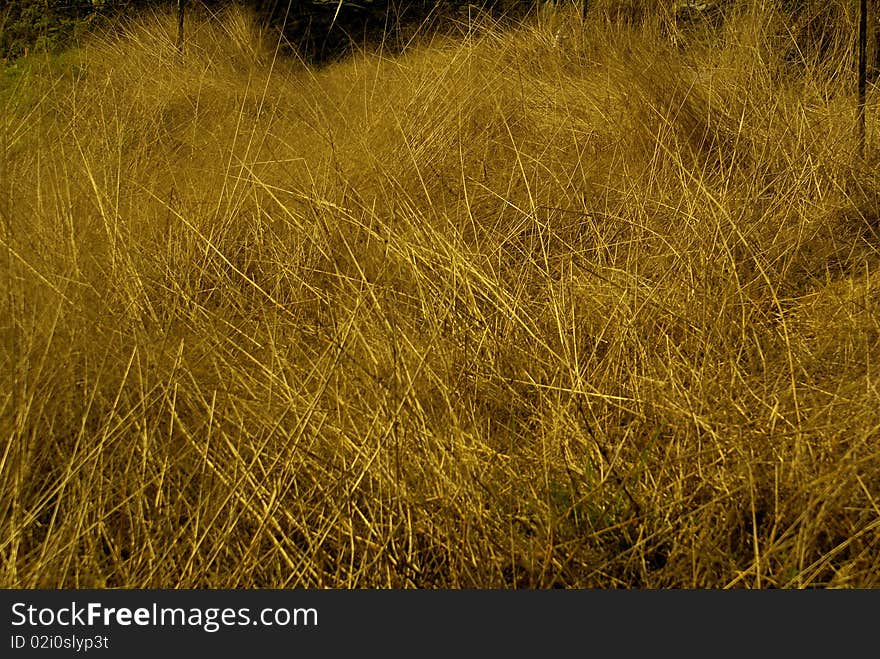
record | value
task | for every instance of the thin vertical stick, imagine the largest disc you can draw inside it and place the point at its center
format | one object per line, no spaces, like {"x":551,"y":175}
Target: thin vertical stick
{"x":181,"y":9}
{"x":863,"y":67}
{"x":875,"y":76}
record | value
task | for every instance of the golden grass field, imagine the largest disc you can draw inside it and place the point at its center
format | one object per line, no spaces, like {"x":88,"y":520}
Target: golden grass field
{"x":570,"y":304}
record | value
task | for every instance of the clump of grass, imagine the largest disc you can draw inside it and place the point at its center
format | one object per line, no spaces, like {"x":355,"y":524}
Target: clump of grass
{"x":489,"y":313}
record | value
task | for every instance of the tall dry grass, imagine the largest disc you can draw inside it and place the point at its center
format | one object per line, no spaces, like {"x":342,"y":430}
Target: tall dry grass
{"x":491,"y":313}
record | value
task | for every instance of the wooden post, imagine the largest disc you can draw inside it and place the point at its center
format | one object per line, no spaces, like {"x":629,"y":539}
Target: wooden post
{"x":863,"y":66}
{"x":181,"y":9}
